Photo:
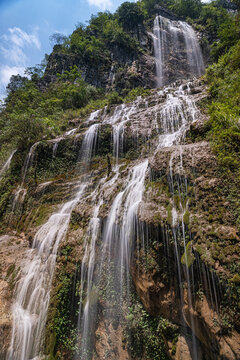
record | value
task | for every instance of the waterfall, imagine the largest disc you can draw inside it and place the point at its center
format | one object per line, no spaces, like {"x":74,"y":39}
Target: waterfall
{"x":32,"y":293}
{"x":131,"y":207}
{"x":109,"y":272}
{"x":7,"y":164}
{"x":115,"y":255}
{"x":118,"y":121}
{"x":175,"y":48}
{"x":109,"y":245}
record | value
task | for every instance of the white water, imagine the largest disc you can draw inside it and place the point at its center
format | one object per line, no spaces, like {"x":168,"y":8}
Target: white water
{"x":32,"y":293}
{"x":71,"y":132}
{"x":87,"y":309}
{"x":88,"y":146}
{"x":175,"y":117}
{"x":33,"y":290}
{"x":124,"y":208}
{"x":118,"y":120}
{"x":175,"y":39}
{"x":7,"y":164}
{"x":55,"y":147}
{"x":114,"y":260}
{"x":28,"y":161}
{"x":94,"y":116}
{"x":20,"y":193}
{"x":116,"y":248}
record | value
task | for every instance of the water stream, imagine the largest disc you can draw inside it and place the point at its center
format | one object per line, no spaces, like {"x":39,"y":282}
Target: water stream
{"x":32,"y":293}
{"x":106,"y":265}
{"x":111,"y":269}
{"x":176,"y":40}
{"x":7,"y":164}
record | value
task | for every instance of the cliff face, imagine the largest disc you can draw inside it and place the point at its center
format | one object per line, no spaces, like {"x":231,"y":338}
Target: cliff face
{"x":123,"y":69}
{"x":120,"y":238}
{"x":208,"y":231}
{"x":127,"y":69}
{"x":183,"y":245}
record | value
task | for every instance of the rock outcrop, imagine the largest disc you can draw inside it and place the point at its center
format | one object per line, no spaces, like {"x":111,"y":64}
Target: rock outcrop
{"x":125,"y":69}
{"x":184,"y":292}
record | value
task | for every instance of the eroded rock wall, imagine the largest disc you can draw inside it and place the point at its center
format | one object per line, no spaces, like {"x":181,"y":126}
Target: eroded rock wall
{"x":187,"y":223}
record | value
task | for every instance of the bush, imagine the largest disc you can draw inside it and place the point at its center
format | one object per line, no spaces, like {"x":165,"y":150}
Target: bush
{"x":224,"y":87}
{"x":187,"y":8}
{"x":30,"y":114}
{"x":130,"y":15}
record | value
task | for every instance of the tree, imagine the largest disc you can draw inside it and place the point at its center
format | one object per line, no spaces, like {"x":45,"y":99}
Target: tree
{"x":130,"y":15}
{"x":57,"y":39}
{"x":150,"y":7}
{"x":35,"y":72}
{"x":187,"y":8}
{"x":98,"y":22}
{"x":16,"y":82}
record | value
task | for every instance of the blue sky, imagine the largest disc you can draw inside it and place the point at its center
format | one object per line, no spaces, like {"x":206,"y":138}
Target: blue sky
{"x":25,"y":27}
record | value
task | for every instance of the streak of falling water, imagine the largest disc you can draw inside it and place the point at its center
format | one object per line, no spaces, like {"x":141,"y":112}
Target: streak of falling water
{"x":176,"y":115}
{"x":7,"y":164}
{"x":118,"y":121}
{"x":88,"y":308}
{"x":194,"y":53}
{"x":55,"y":148}
{"x":32,"y":293}
{"x":70,"y":132}
{"x":160,"y":43}
{"x":121,"y":223}
{"x":178,"y":112}
{"x":28,"y":161}
{"x":169,"y":39}
{"x":20,"y":193}
{"x":94,"y":116}
{"x":179,"y":234}
{"x":125,"y":205}
{"x":88,"y":146}
{"x":116,"y":251}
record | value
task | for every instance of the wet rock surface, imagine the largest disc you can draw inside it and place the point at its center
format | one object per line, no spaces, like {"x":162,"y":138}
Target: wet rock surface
{"x":182,"y":193}
{"x":126,"y":69}
{"x":13,"y":255}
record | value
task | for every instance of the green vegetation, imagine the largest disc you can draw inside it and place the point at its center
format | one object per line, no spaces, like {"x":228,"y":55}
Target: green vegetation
{"x":30,"y":114}
{"x":188,"y":257}
{"x":130,"y":15}
{"x":35,"y":110}
{"x":105,"y":30}
{"x":145,"y":334}
{"x":224,"y":81}
{"x":61,"y":332}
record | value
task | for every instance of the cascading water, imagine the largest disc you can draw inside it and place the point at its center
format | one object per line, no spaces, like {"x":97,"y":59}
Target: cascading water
{"x":114,"y":232}
{"x":175,"y":42}
{"x":108,"y":269}
{"x":106,"y":266}
{"x":7,"y":164}
{"x":115,"y":256}
{"x":118,"y":121}
{"x":33,"y":290}
{"x":109,"y":272}
{"x":179,"y":186}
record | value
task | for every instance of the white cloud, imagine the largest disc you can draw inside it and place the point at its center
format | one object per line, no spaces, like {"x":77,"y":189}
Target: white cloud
{"x":102,"y":4}
{"x":7,"y":71}
{"x":13,"y":44}
{"x":5,"y":74}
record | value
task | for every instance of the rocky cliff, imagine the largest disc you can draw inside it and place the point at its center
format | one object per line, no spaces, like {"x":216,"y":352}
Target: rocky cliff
{"x":120,"y":236}
{"x":184,"y":282}
{"x":123,"y":69}
{"x":127,"y":68}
